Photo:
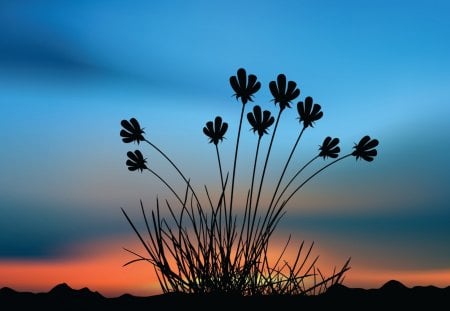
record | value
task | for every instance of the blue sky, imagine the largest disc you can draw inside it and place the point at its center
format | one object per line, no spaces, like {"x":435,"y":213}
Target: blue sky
{"x":71,"y":70}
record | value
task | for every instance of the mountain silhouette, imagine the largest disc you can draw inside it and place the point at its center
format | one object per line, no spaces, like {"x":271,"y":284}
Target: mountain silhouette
{"x":391,"y":295}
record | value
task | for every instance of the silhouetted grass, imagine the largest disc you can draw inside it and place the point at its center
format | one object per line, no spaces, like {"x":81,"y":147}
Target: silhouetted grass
{"x":206,"y":247}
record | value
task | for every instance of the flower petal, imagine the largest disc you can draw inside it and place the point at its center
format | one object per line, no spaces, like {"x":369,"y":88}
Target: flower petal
{"x":234,"y":84}
{"x":251,"y":120}
{"x":135,"y":124}
{"x":363,"y":141}
{"x":217,"y":124}
{"x":223,"y":130}
{"x":291,"y":87}
{"x":132,"y":156}
{"x":273,"y":89}
{"x":242,"y":78}
{"x":281,"y":81}
{"x":372,"y":144}
{"x":125,"y":124}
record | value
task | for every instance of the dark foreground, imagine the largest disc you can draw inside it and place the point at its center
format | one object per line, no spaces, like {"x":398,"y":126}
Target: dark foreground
{"x":392,"y":295}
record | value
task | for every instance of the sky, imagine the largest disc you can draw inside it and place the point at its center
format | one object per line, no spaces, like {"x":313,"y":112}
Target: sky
{"x":70,"y":71}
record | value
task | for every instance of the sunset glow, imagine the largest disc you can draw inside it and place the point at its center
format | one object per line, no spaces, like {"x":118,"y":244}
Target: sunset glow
{"x":72,"y":71}
{"x":99,"y":267}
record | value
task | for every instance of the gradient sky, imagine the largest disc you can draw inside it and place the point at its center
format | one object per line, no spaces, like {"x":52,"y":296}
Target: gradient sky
{"x":71,"y":70}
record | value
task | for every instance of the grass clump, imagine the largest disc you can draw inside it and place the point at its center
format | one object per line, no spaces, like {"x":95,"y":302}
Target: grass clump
{"x":208,"y":247}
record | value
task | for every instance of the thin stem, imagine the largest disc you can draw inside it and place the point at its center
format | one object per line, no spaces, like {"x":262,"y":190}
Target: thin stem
{"x":234,"y":163}
{"x":293,"y":178}
{"x":252,"y":220}
{"x":267,"y":159}
{"x":222,"y":196}
{"x":176,"y":167}
{"x":313,"y":175}
{"x":286,"y":165}
{"x":254,"y":170}
{"x":270,"y":211}
{"x":167,"y":185}
{"x":220,"y":166}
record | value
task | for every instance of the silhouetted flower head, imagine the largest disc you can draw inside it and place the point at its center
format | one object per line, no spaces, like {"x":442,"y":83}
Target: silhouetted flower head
{"x":282,"y":95}
{"x":215,"y":131}
{"x":260,"y":122}
{"x":132,"y":131}
{"x":136,"y":161}
{"x":365,"y":149}
{"x":243,"y":88}
{"x":330,"y":148}
{"x":309,"y":113}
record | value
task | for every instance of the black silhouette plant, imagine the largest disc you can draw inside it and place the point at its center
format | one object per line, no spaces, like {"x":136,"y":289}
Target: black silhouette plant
{"x":329,"y":148}
{"x":136,"y":161}
{"x":132,"y":131}
{"x":208,"y":248}
{"x":244,"y":89}
{"x":365,"y":149}
{"x":280,"y":94}
{"x":215,"y":131}
{"x":309,"y":113}
{"x":260,"y":122}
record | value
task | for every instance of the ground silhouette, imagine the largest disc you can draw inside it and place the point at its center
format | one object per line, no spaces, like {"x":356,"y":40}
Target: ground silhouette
{"x":390,"y":296}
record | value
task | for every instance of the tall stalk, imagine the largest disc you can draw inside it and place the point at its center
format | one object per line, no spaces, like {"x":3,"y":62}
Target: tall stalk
{"x":285,"y":167}
{"x":312,"y":176}
{"x":293,"y":178}
{"x":176,"y":168}
{"x":267,"y":159}
{"x":234,"y":170}
{"x":252,"y":219}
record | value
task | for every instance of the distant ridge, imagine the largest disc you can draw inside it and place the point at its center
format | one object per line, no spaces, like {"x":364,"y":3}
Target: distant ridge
{"x":392,"y":293}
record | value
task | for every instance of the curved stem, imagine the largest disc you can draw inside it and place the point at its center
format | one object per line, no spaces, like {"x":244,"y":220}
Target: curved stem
{"x":221,"y":179}
{"x":252,"y":220}
{"x":286,"y":165}
{"x":254,"y":170}
{"x":312,"y":176}
{"x":267,"y":159}
{"x":234,"y":165}
{"x":167,"y":185}
{"x":176,"y":167}
{"x":293,"y":178}
{"x":220,"y":166}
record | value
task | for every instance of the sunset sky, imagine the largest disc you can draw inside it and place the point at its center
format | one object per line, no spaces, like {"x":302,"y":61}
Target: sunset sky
{"x":70,"y":71}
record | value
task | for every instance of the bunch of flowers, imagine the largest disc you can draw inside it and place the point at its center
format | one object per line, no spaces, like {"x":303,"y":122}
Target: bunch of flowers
{"x":211,"y":248}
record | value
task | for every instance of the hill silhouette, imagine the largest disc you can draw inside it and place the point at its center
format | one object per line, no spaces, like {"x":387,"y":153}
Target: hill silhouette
{"x":391,"y":295}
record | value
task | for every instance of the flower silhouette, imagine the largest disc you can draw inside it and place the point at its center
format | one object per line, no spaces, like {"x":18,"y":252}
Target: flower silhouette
{"x":329,"y":148}
{"x":282,"y":95}
{"x":309,"y":113}
{"x":365,"y":149}
{"x":260,"y":122}
{"x":217,"y":131}
{"x":132,"y":131}
{"x":243,"y":88}
{"x":136,"y":161}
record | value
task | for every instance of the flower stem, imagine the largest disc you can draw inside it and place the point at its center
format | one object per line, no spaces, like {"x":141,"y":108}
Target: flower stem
{"x":312,"y":176}
{"x":251,"y":192}
{"x":285,"y":166}
{"x":221,"y":180}
{"x":267,"y":159}
{"x":234,"y":167}
{"x":220,"y":166}
{"x":293,"y":178}
{"x":167,"y":185}
{"x":176,"y":168}
{"x":254,"y":170}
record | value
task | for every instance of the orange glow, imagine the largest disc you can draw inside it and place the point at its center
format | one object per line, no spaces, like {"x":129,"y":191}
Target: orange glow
{"x":98,"y":266}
